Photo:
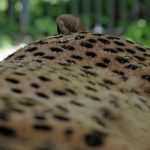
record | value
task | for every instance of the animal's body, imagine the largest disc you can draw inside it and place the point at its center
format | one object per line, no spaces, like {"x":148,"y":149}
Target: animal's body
{"x":81,"y":91}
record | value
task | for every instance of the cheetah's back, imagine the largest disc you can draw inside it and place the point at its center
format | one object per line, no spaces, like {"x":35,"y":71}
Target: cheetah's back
{"x":81,"y":91}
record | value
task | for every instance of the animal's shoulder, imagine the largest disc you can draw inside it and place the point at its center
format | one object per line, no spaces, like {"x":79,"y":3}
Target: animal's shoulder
{"x":79,"y":91}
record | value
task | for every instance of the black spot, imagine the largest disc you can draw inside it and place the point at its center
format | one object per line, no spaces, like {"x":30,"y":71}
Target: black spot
{"x":97,"y":34}
{"x":141,"y":49}
{"x":113,"y":38}
{"x":6,"y":131}
{"x":107,"y":114}
{"x":93,"y":97}
{"x":83,"y":32}
{"x":119,"y":49}
{"x":111,"y":50}
{"x":132,"y":67}
{"x":68,"y":132}
{"x":70,"y":91}
{"x":90,"y":54}
{"x":122,"y":60}
{"x":148,"y":48}
{"x":92,"y":40}
{"x":42,"y":78}
{"x":9,"y":56}
{"x":28,"y":103}
{"x":140,"y":58}
{"x":35,"y":85}
{"x":4,"y":115}
{"x":87,"y":67}
{"x":42,"y":95}
{"x":99,"y":121}
{"x":49,"y":57}
{"x":19,"y":73}
{"x":71,"y":61}
{"x":76,"y":57}
{"x":41,"y":42}
{"x":95,"y":139}
{"x":104,"y":41}
{"x":130,"y":51}
{"x":147,"y":55}
{"x":38,"y":54}
{"x":62,"y":108}
{"x":56,"y":49}
{"x":31,"y":49}
{"x":64,"y":78}
{"x":106,"y":81}
{"x":119,"y":43}
{"x":11,"y":80}
{"x":18,"y":91}
{"x":147,"y":90}
{"x":106,"y":61}
{"x":17,"y":110}
{"x":91,"y":82}
{"x":124,"y":78}
{"x":101,"y":65}
{"x":129,"y":41}
{"x":20,"y":57}
{"x":37,"y":60}
{"x":76,"y":103}
{"x":90,"y":88}
{"x":61,"y":118}
{"x":40,"y":117}
{"x":103,"y":85}
{"x":59,"y":93}
{"x":87,"y":72}
{"x":42,"y":127}
{"x":63,"y":64}
{"x":67,"y":47}
{"x":146,"y":77}
{"x":118,"y":72}
{"x":86,"y":44}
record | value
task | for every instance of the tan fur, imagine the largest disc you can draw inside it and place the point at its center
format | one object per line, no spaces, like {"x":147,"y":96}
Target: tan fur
{"x":98,"y":108}
{"x":68,"y":23}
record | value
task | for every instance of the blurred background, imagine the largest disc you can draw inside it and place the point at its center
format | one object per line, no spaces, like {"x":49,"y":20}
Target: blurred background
{"x":23,"y":21}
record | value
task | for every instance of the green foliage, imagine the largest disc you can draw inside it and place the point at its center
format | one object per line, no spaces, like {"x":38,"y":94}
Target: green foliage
{"x":139,"y":31}
{"x":42,"y":21}
{"x":44,"y":27}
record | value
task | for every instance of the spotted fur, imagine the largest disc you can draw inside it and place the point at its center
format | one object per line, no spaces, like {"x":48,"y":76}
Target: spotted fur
{"x":81,"y":91}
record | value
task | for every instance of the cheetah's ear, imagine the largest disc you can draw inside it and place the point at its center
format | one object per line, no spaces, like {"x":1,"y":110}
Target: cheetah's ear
{"x":58,"y":29}
{"x":59,"y":22}
{"x":61,"y":27}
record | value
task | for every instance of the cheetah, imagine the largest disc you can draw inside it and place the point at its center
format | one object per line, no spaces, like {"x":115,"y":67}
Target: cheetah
{"x":76,"y":91}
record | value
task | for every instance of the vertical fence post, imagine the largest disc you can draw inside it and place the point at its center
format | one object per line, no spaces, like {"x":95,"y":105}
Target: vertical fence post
{"x":122,"y":11}
{"x":135,"y":10}
{"x":86,"y":11}
{"x":98,"y":10}
{"x":74,"y":7}
{"x":97,"y":15}
{"x":147,"y":5}
{"x":24,"y":17}
{"x":111,"y":14}
{"x":10,"y":8}
{"x":62,"y":7}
